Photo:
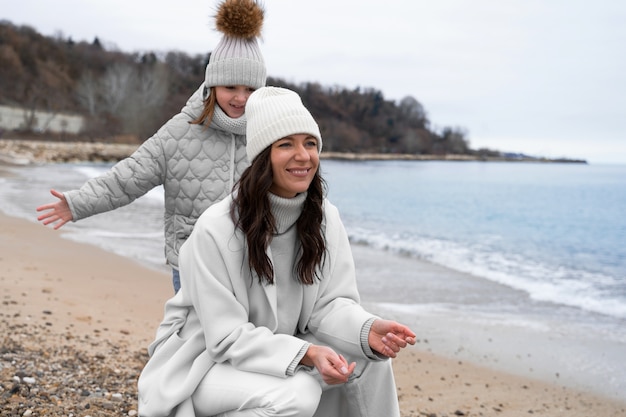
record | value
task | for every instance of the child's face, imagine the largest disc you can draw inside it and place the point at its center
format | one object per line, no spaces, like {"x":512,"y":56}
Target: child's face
{"x":232,"y":99}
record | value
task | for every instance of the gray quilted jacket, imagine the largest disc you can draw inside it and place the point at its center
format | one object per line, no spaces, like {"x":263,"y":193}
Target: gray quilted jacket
{"x":196,"y":166}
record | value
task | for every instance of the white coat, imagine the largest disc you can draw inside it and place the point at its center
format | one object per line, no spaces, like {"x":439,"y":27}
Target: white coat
{"x":223,"y":313}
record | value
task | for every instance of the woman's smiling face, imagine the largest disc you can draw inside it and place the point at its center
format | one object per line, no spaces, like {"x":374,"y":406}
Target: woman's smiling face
{"x":295,"y":160}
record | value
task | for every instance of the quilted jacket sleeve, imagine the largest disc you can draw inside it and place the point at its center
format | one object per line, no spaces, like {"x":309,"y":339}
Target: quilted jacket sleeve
{"x":127,"y":180}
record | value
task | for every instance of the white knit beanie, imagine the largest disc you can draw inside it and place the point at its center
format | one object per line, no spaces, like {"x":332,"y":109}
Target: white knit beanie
{"x":274,"y":113}
{"x":237,"y":59}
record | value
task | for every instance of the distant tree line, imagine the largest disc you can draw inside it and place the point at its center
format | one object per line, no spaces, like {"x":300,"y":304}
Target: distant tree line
{"x":132,"y":95}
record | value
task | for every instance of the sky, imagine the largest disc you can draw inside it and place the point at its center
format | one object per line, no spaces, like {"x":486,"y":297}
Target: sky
{"x":540,"y":77}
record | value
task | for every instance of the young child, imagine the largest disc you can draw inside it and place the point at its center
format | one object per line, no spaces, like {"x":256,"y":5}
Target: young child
{"x":268,"y":321}
{"x":199,"y":154}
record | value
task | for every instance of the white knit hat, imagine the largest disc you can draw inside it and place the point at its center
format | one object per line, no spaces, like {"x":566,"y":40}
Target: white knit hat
{"x":237,"y":59}
{"x":274,"y":113}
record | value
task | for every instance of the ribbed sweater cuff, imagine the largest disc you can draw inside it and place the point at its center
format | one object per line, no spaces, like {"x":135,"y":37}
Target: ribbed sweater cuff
{"x":365,"y":345}
{"x":295,"y":364}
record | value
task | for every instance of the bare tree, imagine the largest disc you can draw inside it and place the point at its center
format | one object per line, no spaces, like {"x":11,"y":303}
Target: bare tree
{"x":413,"y":111}
{"x":142,"y":108}
{"x":116,"y":86}
{"x":152,"y":86}
{"x":411,"y":142}
{"x":452,"y":140}
{"x":87,"y":92}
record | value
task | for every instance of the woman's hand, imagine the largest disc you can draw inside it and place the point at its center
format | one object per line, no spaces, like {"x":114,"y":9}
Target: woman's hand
{"x":388,"y":337}
{"x":58,"y":212}
{"x":333,"y":368}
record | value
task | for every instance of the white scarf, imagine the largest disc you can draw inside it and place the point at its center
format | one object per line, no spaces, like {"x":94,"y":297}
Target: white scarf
{"x":222,"y":121}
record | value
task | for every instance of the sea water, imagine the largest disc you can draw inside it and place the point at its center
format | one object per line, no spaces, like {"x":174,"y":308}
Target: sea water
{"x":555,"y":231}
{"x":521,"y":265}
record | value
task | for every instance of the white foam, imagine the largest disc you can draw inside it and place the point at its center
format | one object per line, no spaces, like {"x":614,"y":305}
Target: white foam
{"x":560,"y":285}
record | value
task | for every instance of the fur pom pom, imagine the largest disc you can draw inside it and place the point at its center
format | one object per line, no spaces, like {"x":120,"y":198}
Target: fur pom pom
{"x":240,"y":18}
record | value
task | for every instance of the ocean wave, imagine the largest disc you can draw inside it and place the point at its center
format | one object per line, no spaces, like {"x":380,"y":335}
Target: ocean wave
{"x":91,"y":171}
{"x":590,"y":291}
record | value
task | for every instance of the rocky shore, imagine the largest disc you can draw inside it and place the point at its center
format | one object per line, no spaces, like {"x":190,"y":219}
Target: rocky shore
{"x":23,"y":152}
{"x":44,"y":373}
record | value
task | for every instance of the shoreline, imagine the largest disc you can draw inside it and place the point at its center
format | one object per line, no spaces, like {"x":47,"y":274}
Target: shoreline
{"x":76,"y":310}
{"x":24,"y":151}
{"x":462,"y":316}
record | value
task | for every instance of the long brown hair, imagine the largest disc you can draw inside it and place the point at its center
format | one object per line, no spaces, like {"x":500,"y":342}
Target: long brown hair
{"x":251,"y":213}
{"x":207,"y":112}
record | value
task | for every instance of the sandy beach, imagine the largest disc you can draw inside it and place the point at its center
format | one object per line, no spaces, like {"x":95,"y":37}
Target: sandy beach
{"x":76,"y":321}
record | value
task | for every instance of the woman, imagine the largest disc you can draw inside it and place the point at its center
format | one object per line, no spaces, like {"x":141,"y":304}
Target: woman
{"x":198,"y":154}
{"x":268,"y":313}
